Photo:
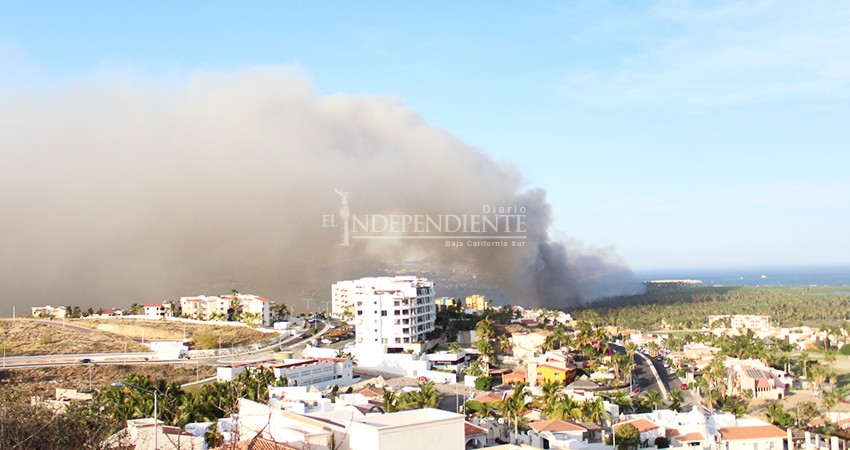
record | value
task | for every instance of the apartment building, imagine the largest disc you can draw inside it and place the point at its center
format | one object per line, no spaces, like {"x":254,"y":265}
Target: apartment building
{"x":392,"y":312}
{"x":741,"y":321}
{"x":224,"y":307}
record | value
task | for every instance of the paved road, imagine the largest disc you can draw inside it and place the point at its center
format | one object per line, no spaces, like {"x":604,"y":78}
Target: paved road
{"x":642,"y":375}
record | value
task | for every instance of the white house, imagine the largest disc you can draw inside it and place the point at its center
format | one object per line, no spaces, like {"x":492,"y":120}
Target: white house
{"x":755,"y":437}
{"x":318,"y":372}
{"x":648,"y":431}
{"x":424,"y":429}
{"x":49,"y":312}
{"x":557,"y":433}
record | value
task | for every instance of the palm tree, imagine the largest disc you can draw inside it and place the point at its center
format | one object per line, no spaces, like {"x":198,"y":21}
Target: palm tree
{"x":505,"y":343}
{"x":513,"y":406}
{"x":484,"y":329}
{"x":390,"y":401}
{"x":342,"y":354}
{"x":654,"y":398}
{"x":594,"y":410}
{"x":550,"y":390}
{"x":676,"y":400}
{"x":564,"y":407}
{"x":426,"y":397}
{"x":830,"y":356}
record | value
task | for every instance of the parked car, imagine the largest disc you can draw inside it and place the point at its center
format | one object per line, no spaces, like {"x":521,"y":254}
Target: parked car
{"x":85,"y":361}
{"x":636,"y":390}
{"x":684,"y":386}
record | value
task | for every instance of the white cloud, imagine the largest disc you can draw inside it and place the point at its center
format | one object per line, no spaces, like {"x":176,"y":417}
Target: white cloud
{"x":727,"y":53}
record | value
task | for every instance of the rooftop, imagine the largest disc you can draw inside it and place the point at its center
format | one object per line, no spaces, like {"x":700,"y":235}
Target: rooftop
{"x":642,"y":425}
{"x":407,"y":418}
{"x":556,"y":425}
{"x":751,"y":432}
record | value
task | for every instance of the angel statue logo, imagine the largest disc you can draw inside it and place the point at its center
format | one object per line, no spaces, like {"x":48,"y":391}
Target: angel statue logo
{"x":344,"y":213}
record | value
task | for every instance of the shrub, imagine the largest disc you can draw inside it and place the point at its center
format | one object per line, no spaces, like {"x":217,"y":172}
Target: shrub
{"x":484,"y":383}
{"x":662,"y":442}
{"x":845,"y":349}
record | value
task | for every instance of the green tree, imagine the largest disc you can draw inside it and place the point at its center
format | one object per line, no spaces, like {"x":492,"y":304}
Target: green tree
{"x":778,"y":416}
{"x":484,"y":383}
{"x":676,"y":400}
{"x":627,"y":437}
{"x":654,"y":398}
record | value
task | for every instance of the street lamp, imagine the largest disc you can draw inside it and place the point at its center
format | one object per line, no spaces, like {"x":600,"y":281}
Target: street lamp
{"x":155,"y":414}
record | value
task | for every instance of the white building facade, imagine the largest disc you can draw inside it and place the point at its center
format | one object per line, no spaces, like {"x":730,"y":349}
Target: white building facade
{"x":392,"y":312}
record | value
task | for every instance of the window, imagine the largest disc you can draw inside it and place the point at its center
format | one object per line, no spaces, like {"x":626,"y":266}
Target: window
{"x":359,"y":312}
{"x":383,"y":313}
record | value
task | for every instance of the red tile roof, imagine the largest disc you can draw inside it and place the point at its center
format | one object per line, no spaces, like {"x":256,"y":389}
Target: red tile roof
{"x":371,"y":391}
{"x":489,"y":397}
{"x":642,"y":425}
{"x":752,"y":432}
{"x":556,"y":425}
{"x":471,"y":430}
{"x":260,"y":444}
{"x":691,"y":437}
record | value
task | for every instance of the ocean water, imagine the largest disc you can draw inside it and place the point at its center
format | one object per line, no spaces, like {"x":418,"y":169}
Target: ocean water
{"x":766,"y":276}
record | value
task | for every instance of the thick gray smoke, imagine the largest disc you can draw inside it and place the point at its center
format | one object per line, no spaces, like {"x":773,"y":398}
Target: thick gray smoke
{"x":135,"y":192}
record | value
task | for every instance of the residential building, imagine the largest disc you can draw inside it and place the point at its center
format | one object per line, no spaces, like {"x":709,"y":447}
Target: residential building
{"x":352,"y":428}
{"x":755,"y":437}
{"x":552,"y":366}
{"x":446,"y":302}
{"x":477,"y":302}
{"x":517,"y":376}
{"x":321,"y":373}
{"x":49,"y":312}
{"x":761,"y":380}
{"x":146,"y":434}
{"x":253,"y":309}
{"x":649,"y":431}
{"x":161,"y":309}
{"x":341,"y":305}
{"x":741,"y":322}
{"x":558,"y":433}
{"x":318,"y":372}
{"x":391,"y":313}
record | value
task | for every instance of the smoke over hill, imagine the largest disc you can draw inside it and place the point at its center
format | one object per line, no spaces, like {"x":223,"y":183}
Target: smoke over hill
{"x":135,"y":191}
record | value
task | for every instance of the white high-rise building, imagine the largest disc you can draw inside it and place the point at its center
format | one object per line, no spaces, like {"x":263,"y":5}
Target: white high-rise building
{"x":341,"y":298}
{"x":391,"y":312}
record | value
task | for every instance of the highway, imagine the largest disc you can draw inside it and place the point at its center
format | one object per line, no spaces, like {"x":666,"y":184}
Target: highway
{"x":138,"y":358}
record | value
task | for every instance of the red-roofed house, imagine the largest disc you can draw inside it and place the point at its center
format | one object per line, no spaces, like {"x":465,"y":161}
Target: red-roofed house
{"x":475,"y":436}
{"x":557,"y":433}
{"x":762,"y":382}
{"x":489,"y":397}
{"x":517,"y":376}
{"x":371,"y":392}
{"x":648,"y":430}
{"x":757,"y":437}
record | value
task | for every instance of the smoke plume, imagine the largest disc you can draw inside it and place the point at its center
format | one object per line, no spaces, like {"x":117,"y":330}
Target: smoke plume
{"x":137,"y":191}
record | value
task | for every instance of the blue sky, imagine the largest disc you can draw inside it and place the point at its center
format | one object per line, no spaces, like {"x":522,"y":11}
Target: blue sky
{"x":681,"y":134}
